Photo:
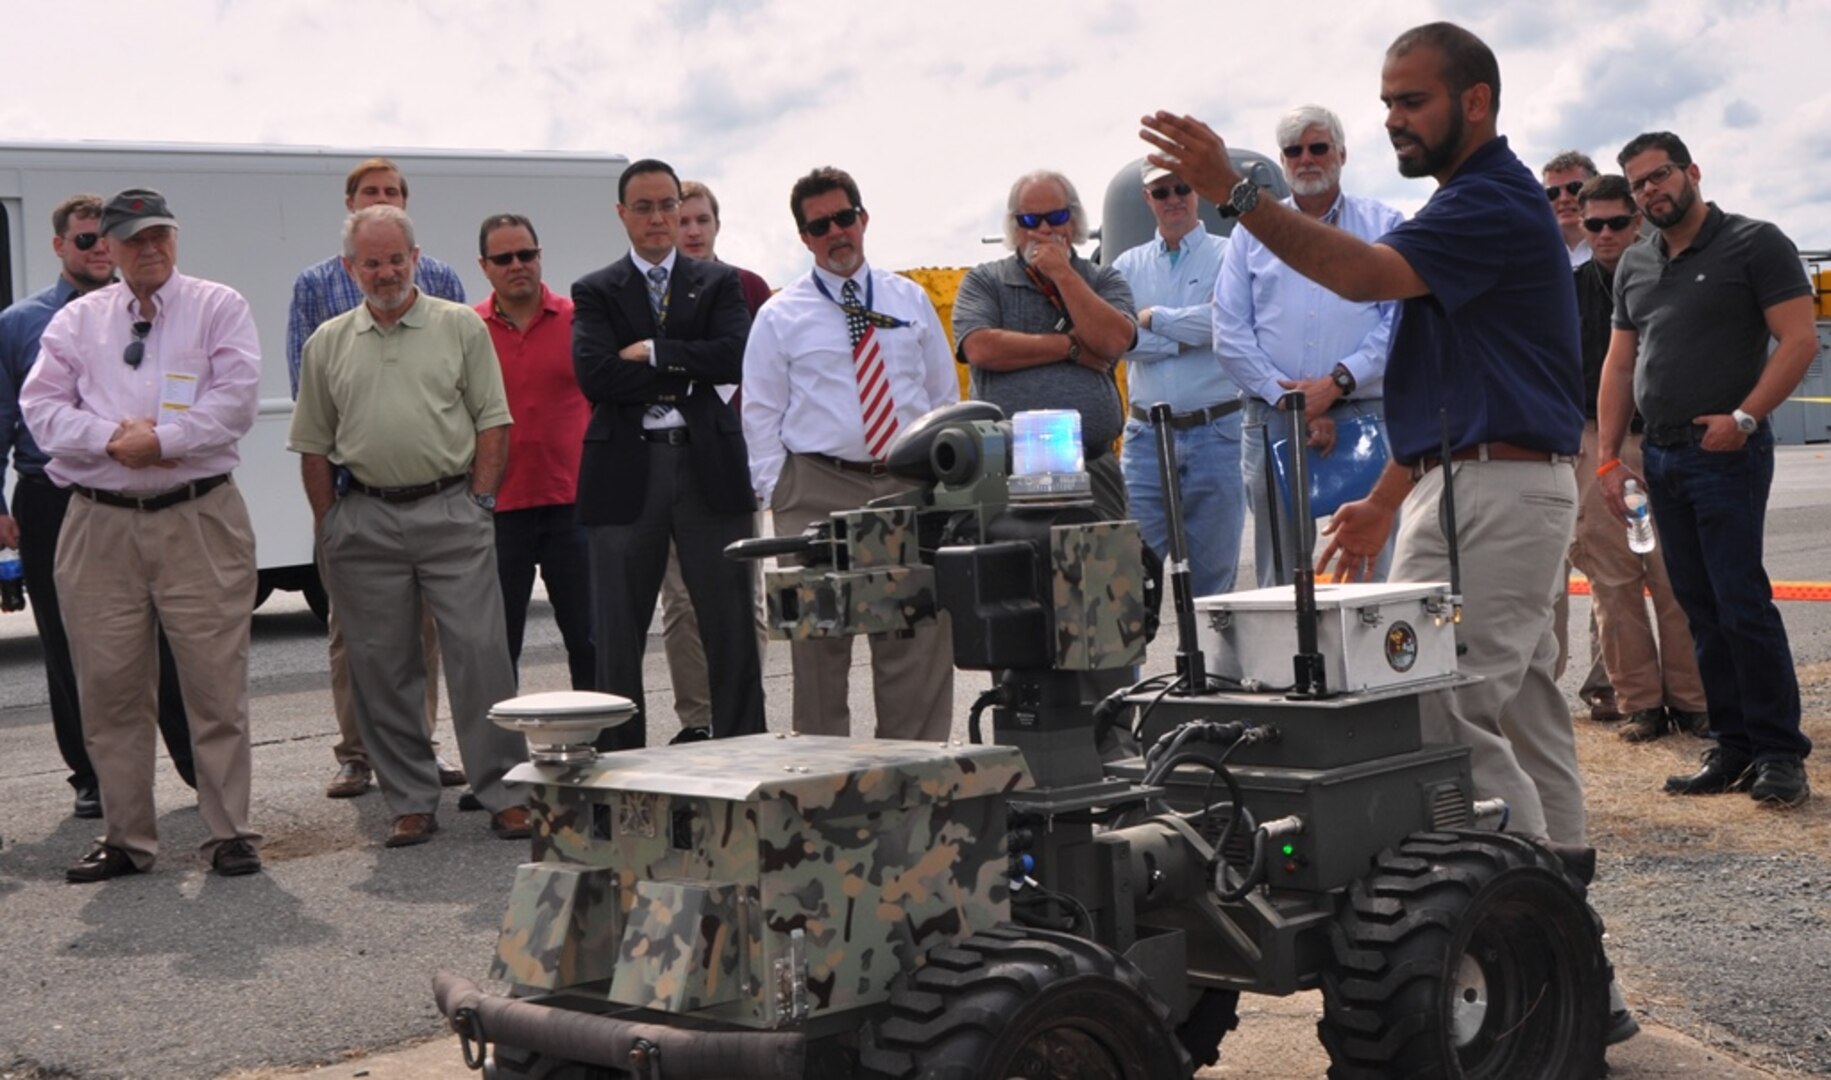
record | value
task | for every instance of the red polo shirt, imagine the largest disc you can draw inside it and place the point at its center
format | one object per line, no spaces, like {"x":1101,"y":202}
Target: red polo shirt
{"x":550,"y":412}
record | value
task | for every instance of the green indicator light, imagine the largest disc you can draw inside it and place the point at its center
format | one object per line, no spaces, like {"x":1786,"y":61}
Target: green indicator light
{"x":1290,"y":849}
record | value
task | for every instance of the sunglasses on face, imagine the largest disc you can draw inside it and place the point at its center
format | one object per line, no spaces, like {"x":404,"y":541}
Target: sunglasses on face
{"x":1618,"y":223}
{"x":1057,"y":218}
{"x":1570,"y":189}
{"x":136,"y":349}
{"x":526,"y":255}
{"x":1316,"y":149}
{"x":1162,"y":193}
{"x":1656,"y":177}
{"x":845,"y":219}
{"x":86,"y":240}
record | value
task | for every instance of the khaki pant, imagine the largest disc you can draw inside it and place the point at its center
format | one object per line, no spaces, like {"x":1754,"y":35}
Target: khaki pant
{"x":912,"y":678}
{"x":123,"y":573}
{"x":1645,"y":672}
{"x":686,"y":653}
{"x":348,"y":748}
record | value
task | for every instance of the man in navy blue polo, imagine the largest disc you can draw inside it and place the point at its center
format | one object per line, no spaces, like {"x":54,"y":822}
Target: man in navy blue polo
{"x":1694,"y":310}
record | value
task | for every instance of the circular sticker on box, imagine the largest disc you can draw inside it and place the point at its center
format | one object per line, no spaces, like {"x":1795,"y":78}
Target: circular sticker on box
{"x":1401,"y":646}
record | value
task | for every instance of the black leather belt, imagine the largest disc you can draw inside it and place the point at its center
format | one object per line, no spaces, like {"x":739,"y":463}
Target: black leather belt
{"x":1187,"y":420}
{"x":672,"y":436}
{"x":863,"y":468}
{"x":406,"y":494}
{"x":1675,"y":434}
{"x":153,"y":502}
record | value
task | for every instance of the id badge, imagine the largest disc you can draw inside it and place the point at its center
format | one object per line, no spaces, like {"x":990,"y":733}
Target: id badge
{"x":178,"y":392}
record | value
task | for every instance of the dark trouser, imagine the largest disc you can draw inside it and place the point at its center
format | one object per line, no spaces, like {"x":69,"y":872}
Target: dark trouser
{"x":1711,"y":512}
{"x":39,"y":507}
{"x":627,"y":564}
{"x":548,"y":537}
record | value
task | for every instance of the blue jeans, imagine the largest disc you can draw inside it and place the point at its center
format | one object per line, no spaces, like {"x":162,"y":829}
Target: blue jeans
{"x":1214,"y":507}
{"x":1711,"y":512}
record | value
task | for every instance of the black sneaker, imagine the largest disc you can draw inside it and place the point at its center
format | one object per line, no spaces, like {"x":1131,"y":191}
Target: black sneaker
{"x":233,"y":858}
{"x":1644,"y":726}
{"x":1780,"y":782}
{"x":1696,"y":724}
{"x":1723,"y":770}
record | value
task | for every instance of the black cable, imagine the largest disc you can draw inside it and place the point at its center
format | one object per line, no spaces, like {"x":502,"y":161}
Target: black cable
{"x":990,"y":697}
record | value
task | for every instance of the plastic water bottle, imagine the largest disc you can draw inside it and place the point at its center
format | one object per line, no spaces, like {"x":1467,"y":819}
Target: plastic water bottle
{"x":1640,"y":522}
{"x":12,"y":582}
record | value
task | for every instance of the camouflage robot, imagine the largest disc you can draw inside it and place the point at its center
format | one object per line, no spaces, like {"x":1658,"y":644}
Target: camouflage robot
{"x":778,"y":906}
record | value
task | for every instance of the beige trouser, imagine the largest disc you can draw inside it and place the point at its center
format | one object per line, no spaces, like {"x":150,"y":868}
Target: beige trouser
{"x":121,"y":575}
{"x":912,"y":678}
{"x":686,"y":653}
{"x":1513,"y":522}
{"x":348,"y":748}
{"x":1645,"y":673}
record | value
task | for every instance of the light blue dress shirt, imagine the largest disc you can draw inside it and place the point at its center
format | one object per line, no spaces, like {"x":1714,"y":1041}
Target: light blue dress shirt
{"x":1271,"y":323}
{"x":1174,"y":360}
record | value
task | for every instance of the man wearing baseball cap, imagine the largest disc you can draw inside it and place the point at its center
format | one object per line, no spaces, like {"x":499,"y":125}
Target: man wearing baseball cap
{"x":142,"y":390}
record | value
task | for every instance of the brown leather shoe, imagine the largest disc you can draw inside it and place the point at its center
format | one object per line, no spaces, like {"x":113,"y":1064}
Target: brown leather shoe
{"x":411,"y":829}
{"x":352,"y":779}
{"x":449,"y":775}
{"x":1603,"y":707}
{"x":1645,"y":726}
{"x":102,"y":863}
{"x":515,"y":823}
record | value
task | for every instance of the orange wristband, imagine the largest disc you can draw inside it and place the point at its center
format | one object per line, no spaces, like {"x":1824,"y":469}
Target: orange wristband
{"x":1611,"y":463}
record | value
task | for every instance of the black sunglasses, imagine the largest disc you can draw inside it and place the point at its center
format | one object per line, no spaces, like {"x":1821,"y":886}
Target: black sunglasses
{"x":86,"y":240}
{"x":1162,"y":193}
{"x":1618,"y":223}
{"x":1570,"y":188}
{"x":845,"y":219}
{"x":1316,"y":149}
{"x":526,"y":255}
{"x":136,"y":349}
{"x":1058,"y":218}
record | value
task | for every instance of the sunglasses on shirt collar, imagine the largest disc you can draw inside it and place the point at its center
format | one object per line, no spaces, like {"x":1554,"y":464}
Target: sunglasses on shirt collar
{"x":136,"y":349}
{"x":1569,"y":188}
{"x":845,"y":219}
{"x":1057,"y":218}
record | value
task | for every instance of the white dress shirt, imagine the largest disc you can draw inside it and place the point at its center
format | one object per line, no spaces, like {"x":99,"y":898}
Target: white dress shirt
{"x":660,"y":419}
{"x":800,"y":390}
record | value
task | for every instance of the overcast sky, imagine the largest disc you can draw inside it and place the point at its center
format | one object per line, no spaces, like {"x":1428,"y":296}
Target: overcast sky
{"x":934,"y":107}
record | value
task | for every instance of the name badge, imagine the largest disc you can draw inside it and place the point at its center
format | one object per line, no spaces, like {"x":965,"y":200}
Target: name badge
{"x":179,"y":393}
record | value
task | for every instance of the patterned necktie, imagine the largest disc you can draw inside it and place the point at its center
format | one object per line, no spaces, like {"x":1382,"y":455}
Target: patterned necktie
{"x":875,"y":403}
{"x":658,"y":304}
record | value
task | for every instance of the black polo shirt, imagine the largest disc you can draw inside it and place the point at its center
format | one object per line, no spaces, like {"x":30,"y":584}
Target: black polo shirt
{"x":1493,"y":349}
{"x":1702,"y":317}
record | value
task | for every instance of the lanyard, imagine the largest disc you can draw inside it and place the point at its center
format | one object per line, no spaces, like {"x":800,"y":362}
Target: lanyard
{"x":875,"y":318}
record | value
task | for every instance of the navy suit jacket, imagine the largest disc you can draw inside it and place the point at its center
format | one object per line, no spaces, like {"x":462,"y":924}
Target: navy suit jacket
{"x":701,"y":346}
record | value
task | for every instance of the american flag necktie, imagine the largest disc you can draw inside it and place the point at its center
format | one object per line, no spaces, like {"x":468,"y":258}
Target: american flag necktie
{"x":874,"y":401}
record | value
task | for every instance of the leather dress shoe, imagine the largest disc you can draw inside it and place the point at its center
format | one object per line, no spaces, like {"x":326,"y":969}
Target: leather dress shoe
{"x":233,"y":858}
{"x":1645,"y":725}
{"x":691,"y":735}
{"x":102,"y":862}
{"x":1723,"y":770}
{"x":411,"y":829}
{"x":449,"y":775}
{"x":352,"y":779}
{"x":88,"y":802}
{"x":514,"y":823}
{"x":1691,"y":723}
{"x":1780,"y":782}
{"x":1603,"y":708}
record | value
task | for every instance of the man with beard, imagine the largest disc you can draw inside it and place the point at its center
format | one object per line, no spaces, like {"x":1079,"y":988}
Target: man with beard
{"x":39,"y":506}
{"x":404,"y":394}
{"x":1279,"y":331}
{"x":837,"y":363}
{"x":1564,"y":177}
{"x":1694,"y":309}
{"x":1486,"y":359}
{"x":1172,"y":280}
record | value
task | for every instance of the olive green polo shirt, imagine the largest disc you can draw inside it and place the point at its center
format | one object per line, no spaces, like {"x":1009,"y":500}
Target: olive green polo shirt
{"x":399,"y":406}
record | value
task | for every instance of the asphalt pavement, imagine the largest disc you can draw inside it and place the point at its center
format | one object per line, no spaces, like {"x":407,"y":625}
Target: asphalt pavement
{"x":326,"y":959}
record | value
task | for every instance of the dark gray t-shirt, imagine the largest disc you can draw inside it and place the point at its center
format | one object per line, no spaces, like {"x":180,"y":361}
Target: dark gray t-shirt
{"x":1702,"y":317}
{"x":1000,"y":296}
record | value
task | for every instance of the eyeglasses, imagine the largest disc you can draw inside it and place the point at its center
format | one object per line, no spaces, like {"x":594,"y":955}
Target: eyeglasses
{"x":526,"y":255}
{"x":845,"y":219}
{"x":1618,"y":223}
{"x":1057,"y":218}
{"x":136,"y":349}
{"x":86,"y":240}
{"x":645,"y":208}
{"x":1316,"y":149}
{"x":1570,"y":188}
{"x":1657,"y":176}
{"x":1162,"y":193}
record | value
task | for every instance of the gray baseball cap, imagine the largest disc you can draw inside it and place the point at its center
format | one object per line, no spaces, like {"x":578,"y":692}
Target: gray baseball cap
{"x":134,"y":210}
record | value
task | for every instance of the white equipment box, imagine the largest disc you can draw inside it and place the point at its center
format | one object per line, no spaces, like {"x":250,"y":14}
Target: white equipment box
{"x":1371,"y":636}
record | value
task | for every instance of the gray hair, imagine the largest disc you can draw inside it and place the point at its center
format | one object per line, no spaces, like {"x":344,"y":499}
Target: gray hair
{"x":1570,"y":159}
{"x":1077,"y":213}
{"x":379,"y":213}
{"x":1293,"y":124}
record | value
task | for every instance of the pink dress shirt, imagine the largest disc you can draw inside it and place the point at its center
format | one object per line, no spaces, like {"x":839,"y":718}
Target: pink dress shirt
{"x":199,"y":382}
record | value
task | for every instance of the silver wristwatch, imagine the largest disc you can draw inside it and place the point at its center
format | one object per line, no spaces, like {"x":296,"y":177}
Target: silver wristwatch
{"x":1745,"y":423}
{"x":1244,"y":197}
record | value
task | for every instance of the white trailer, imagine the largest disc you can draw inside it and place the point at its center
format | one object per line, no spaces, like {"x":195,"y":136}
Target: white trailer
{"x":252,"y":217}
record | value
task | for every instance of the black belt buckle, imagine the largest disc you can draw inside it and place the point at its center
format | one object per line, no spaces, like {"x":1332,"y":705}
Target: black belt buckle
{"x":673,"y":436}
